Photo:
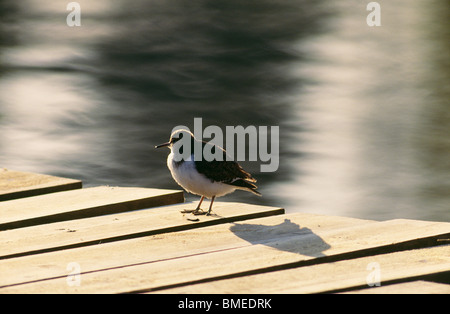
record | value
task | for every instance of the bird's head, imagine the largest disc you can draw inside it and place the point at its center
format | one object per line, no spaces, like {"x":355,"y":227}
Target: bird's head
{"x":175,"y":137}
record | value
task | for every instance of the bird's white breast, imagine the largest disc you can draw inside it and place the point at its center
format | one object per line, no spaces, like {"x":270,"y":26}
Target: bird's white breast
{"x":186,"y":175}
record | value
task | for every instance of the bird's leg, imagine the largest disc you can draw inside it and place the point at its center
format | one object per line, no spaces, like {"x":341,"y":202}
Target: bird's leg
{"x":197,"y":211}
{"x":210,"y":205}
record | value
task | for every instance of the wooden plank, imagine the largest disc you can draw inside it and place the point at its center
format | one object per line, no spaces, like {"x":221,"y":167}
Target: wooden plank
{"x":81,"y":203}
{"x":414,"y":287}
{"x":172,"y":245}
{"x":18,"y":184}
{"x":298,"y":249}
{"x":102,"y":229}
{"x":336,"y":276}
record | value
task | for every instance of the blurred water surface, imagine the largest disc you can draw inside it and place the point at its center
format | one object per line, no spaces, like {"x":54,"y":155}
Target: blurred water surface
{"x":363,"y":111}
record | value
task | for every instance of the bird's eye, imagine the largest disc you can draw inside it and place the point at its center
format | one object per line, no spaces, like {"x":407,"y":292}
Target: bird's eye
{"x":175,"y":139}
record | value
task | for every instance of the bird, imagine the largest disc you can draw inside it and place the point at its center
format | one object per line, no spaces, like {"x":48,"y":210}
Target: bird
{"x":202,"y":177}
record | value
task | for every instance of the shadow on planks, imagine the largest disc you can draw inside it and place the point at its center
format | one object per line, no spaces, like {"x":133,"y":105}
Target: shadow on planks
{"x":306,"y":241}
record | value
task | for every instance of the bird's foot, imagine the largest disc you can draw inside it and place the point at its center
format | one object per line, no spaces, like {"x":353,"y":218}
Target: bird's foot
{"x":197,"y":211}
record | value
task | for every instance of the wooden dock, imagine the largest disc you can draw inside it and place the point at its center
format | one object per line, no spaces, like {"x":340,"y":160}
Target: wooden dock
{"x":57,"y":237}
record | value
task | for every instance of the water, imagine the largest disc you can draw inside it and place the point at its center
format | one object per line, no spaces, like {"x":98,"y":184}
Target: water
{"x":363,"y":111}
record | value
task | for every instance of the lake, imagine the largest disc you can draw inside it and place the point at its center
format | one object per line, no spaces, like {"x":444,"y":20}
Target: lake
{"x":363,"y":111}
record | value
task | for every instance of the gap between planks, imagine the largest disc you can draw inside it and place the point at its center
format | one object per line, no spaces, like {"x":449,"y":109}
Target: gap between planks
{"x":352,"y":274}
{"x":82,"y":203}
{"x":19,"y":184}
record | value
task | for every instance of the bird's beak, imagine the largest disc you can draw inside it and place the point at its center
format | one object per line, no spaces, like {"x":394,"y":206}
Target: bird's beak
{"x":163,"y":145}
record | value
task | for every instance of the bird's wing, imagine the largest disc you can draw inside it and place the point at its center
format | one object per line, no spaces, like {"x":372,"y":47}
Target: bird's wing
{"x":223,"y":171}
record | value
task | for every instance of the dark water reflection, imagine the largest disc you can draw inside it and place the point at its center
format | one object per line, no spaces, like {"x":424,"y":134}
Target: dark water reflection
{"x":363,"y":112}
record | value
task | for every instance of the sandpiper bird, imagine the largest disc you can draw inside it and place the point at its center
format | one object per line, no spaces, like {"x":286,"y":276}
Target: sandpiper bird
{"x":209,"y":179}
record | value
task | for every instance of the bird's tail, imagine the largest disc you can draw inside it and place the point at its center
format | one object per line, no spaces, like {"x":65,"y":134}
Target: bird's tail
{"x":246,"y":185}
